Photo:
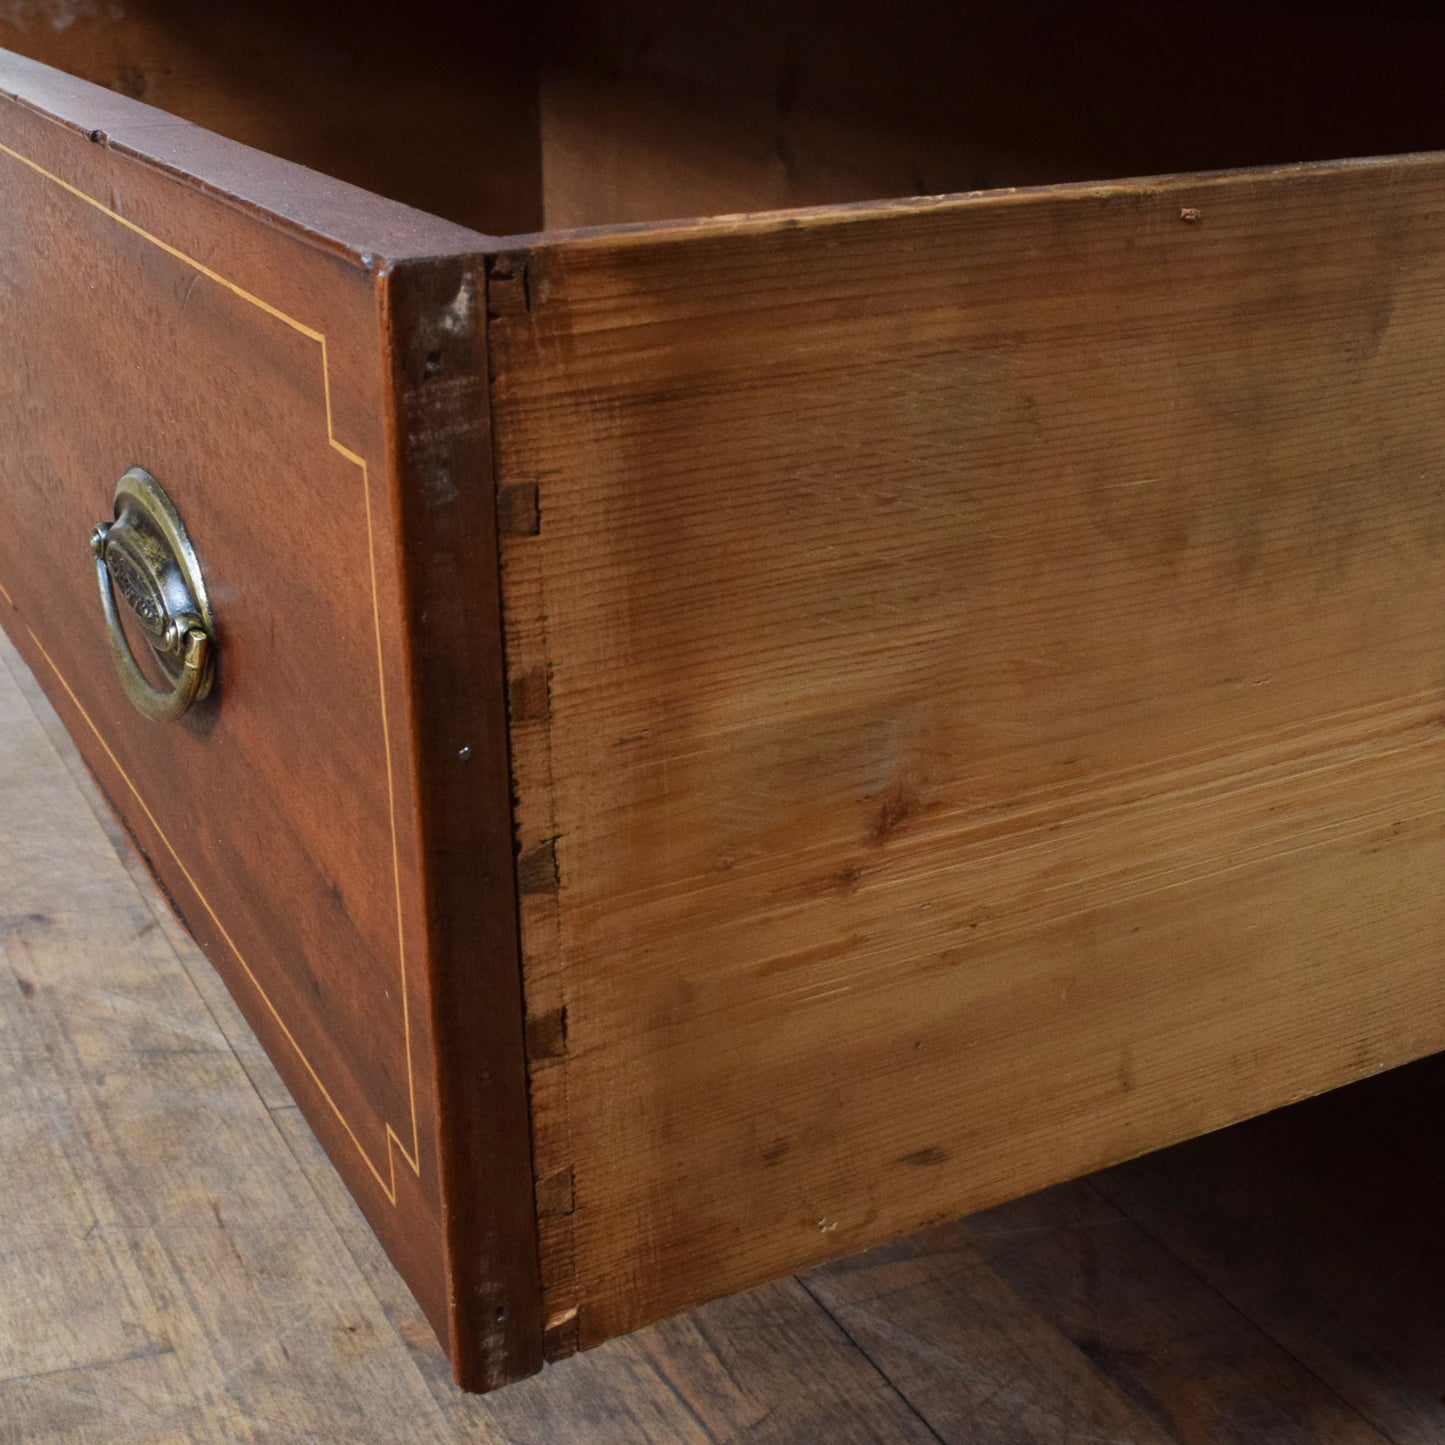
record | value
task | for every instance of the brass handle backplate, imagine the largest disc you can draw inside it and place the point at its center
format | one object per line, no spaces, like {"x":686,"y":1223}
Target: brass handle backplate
{"x":146,"y":556}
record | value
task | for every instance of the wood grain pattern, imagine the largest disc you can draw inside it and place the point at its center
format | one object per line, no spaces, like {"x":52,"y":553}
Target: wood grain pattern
{"x":245,"y":1297}
{"x":967,"y":693}
{"x":303,"y":391}
{"x":994,"y":706}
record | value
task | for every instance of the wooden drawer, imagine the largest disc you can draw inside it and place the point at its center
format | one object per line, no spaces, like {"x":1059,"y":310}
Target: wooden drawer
{"x":734,"y":738}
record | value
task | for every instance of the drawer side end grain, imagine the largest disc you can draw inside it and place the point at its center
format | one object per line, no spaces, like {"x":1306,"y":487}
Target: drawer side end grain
{"x":442,"y":431}
{"x":541,"y":852}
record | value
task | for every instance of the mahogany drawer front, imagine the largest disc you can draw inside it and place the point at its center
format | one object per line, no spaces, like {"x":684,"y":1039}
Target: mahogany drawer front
{"x":734,"y":740}
{"x":235,"y":326}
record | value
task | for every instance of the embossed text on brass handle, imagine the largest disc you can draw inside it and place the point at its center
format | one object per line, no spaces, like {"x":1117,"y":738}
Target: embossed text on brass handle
{"x":146,"y":556}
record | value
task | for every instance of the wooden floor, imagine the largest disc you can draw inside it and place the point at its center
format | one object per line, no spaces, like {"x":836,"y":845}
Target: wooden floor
{"x":179,"y":1262}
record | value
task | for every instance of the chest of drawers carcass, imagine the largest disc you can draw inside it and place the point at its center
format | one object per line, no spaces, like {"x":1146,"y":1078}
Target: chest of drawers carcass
{"x":709,"y":720}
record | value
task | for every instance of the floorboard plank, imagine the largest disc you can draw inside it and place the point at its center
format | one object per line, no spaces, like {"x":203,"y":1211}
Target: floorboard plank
{"x":1084,"y":1328}
{"x":166,"y":1271}
{"x":766,"y":1366}
{"x":974,"y":1359}
{"x":262,"y":1073}
{"x":1316,"y":1225}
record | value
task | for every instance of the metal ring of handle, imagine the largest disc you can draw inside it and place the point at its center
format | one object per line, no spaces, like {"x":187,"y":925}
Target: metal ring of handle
{"x":153,"y":701}
{"x":146,"y":555}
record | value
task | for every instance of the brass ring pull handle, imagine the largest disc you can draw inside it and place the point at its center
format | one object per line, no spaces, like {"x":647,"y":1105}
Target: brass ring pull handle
{"x":146,"y":556}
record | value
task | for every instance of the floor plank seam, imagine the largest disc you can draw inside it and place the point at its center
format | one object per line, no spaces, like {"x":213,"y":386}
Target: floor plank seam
{"x":877,"y":1368}
{"x":1240,"y":1312}
{"x":85,"y":784}
{"x":684,"y":1403}
{"x":357,"y":1263}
